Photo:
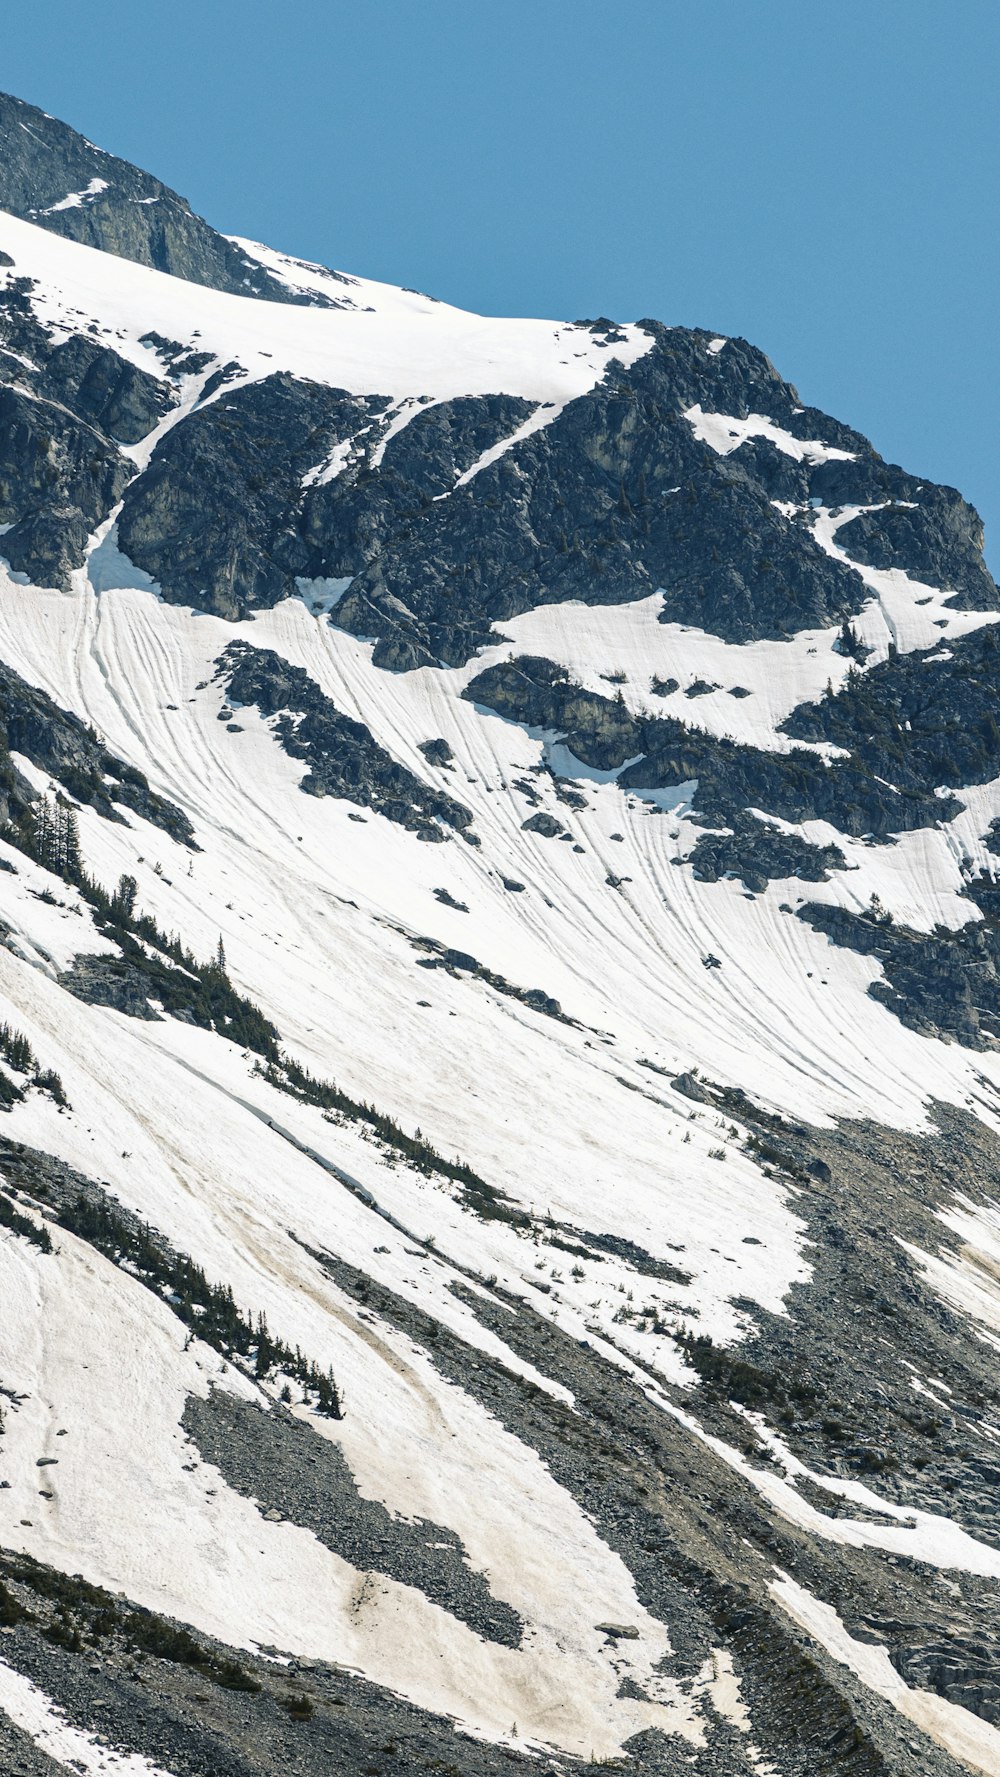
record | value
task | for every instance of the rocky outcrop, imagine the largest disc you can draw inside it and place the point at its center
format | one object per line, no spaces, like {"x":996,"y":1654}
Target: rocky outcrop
{"x":459,"y":963}
{"x":57,"y":742}
{"x":237,"y":503}
{"x":66,"y":406}
{"x":122,"y":401}
{"x":597,"y":730}
{"x":921,"y":721}
{"x":59,"y":477}
{"x":613,"y":499}
{"x":342,"y":755}
{"x":82,"y":375}
{"x":944,"y":983}
{"x":214,"y":520}
{"x":51,"y":175}
{"x":758,"y":852}
{"x":662,"y":752}
{"x":937,"y":538}
{"x":617,"y":496}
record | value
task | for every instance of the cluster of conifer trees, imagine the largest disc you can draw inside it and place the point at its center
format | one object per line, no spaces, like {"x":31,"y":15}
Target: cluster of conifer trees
{"x":48,"y":832}
{"x":208,"y":1308}
{"x":16,"y":1050}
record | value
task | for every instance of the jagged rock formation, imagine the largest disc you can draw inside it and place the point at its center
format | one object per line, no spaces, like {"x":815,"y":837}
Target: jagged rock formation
{"x":51,"y":175}
{"x":663,"y":752}
{"x":59,"y":744}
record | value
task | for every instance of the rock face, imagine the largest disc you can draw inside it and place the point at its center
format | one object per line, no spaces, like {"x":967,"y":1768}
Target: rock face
{"x":73,"y":404}
{"x":214,"y":519}
{"x":614,"y":498}
{"x":58,"y":479}
{"x":665,"y":753}
{"x":938,"y":538}
{"x":79,"y":191}
{"x":117,"y":398}
{"x":941,"y":983}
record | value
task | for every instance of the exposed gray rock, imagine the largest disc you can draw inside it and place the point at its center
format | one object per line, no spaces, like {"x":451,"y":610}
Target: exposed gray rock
{"x":59,"y":478}
{"x":59,"y":743}
{"x":615,"y":498}
{"x":758,"y":852}
{"x":119,"y":209}
{"x":114,"y":981}
{"x":662,"y":752}
{"x":943,"y":983}
{"x":937,"y":538}
{"x":122,"y":401}
{"x":437,"y":752}
{"x":293,"y":1473}
{"x":215,"y":518}
{"x":343,"y":757}
{"x":545,"y":825}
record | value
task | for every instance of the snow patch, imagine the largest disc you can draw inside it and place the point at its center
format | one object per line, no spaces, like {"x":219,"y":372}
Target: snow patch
{"x":905,"y":613}
{"x":724,"y":434}
{"x":77,"y":199}
{"x":321,"y":595}
{"x":109,"y":567}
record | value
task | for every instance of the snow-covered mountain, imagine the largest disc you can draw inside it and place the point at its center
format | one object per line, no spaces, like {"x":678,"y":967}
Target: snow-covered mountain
{"x":517,"y":1284}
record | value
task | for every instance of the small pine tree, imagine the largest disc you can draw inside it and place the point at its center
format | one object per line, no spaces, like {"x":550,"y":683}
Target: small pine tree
{"x":123,"y":900}
{"x":72,"y":862}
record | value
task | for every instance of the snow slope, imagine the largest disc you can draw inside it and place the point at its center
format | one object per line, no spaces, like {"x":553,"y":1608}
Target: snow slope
{"x":387,"y":341}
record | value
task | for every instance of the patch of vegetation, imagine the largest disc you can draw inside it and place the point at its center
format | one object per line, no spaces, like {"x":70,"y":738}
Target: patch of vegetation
{"x":299,"y":1706}
{"x":781,"y":1159}
{"x":16,"y":1050}
{"x":176,"y":979}
{"x":157,"y":963}
{"x":207,"y":1308}
{"x":12,"y":1611}
{"x":485,"y":1200}
{"x":18,"y":1224}
{"x":727,"y":1377}
{"x":76,"y":1615}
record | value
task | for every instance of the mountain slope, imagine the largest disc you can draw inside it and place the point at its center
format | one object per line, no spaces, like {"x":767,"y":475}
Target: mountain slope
{"x":499,"y":994}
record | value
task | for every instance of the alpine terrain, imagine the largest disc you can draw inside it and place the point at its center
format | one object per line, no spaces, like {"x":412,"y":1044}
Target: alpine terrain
{"x":499,"y":1036}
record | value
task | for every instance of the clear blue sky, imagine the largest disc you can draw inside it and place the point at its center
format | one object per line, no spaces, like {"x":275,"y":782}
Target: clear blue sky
{"x":820,"y":178}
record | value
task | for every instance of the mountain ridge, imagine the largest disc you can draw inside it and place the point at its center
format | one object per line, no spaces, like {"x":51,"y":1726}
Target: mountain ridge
{"x":88,"y":195}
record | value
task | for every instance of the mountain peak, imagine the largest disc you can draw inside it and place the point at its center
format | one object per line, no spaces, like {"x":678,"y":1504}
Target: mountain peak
{"x":52,"y":175}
